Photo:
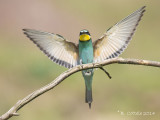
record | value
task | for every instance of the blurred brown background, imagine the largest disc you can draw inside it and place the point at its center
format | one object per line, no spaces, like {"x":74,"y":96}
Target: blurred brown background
{"x":24,"y":68}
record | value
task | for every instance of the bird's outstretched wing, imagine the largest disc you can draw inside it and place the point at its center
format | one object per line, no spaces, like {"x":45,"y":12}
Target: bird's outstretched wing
{"x":115,"y":40}
{"x":57,"y":48}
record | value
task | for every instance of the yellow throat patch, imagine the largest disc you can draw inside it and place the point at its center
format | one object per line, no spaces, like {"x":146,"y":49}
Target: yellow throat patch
{"x":84,"y":37}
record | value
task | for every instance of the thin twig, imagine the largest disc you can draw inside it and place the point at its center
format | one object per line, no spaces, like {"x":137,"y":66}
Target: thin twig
{"x":106,"y":72}
{"x":13,"y":111}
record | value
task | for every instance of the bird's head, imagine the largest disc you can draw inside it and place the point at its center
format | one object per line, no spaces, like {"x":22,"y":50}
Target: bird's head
{"x":84,"y":35}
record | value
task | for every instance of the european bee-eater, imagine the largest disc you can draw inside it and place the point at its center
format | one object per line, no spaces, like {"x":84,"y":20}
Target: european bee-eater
{"x":110,"y":45}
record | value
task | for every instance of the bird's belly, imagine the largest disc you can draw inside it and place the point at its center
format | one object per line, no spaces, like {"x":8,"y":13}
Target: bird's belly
{"x":86,"y":57}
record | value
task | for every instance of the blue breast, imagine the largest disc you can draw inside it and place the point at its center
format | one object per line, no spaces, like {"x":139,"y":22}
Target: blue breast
{"x":86,"y":51}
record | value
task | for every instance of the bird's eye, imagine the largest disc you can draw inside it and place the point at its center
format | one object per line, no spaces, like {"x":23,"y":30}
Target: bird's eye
{"x":87,"y":33}
{"x":81,"y":33}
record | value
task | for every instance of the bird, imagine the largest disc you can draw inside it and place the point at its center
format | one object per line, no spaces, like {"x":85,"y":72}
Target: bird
{"x":68,"y":54}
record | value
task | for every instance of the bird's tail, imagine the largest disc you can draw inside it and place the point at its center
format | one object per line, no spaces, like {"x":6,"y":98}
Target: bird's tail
{"x":89,"y":96}
{"x":88,"y":75}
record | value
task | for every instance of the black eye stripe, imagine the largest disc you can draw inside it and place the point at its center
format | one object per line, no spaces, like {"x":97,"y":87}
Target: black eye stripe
{"x":80,"y":33}
{"x":84,"y":32}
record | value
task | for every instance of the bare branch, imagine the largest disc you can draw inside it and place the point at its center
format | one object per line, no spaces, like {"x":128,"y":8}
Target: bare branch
{"x":106,"y":72}
{"x":59,"y":79}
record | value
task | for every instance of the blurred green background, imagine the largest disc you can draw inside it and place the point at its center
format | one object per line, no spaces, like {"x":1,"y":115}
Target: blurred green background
{"x":24,"y":68}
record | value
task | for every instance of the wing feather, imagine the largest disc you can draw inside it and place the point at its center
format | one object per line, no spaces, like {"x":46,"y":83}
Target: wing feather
{"x":58,"y":49}
{"x":116,"y":39}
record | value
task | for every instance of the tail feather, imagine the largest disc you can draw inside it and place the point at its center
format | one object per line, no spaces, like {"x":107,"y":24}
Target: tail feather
{"x":88,"y":75}
{"x":89,"y":97}
{"x":89,"y":105}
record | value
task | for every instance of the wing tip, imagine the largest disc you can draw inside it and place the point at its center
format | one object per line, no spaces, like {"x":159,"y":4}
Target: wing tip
{"x":142,"y":10}
{"x":143,"y":7}
{"x":25,"y":30}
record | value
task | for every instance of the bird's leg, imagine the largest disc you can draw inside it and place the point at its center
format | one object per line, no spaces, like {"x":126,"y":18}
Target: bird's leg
{"x":105,"y":72}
